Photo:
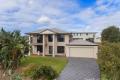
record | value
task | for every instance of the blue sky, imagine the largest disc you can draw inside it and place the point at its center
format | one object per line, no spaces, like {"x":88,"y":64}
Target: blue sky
{"x":70,"y":15}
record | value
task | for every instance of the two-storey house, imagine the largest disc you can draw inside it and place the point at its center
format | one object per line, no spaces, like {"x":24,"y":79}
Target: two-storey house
{"x":58,"y":42}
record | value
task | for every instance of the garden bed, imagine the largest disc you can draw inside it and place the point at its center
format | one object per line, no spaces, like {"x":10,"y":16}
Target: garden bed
{"x":28,"y":63}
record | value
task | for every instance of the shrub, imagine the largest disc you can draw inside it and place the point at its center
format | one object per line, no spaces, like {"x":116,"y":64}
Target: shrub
{"x":109,"y":60}
{"x":28,"y":70}
{"x":44,"y":73}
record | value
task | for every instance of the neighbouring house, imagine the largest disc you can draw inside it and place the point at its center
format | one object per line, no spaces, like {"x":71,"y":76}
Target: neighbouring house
{"x":58,"y":42}
{"x":89,"y":36}
{"x":98,"y":40}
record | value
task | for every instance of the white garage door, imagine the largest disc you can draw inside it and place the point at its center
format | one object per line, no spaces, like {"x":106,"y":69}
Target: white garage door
{"x":87,"y":52}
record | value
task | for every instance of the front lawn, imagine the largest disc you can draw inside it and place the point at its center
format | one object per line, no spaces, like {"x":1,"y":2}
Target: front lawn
{"x":58,"y":63}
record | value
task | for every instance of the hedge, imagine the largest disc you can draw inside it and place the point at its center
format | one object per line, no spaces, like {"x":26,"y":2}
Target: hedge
{"x":109,"y":60}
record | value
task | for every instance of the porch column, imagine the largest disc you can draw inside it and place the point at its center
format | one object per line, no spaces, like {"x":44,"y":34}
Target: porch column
{"x":29,"y":44}
{"x":43,"y":45}
{"x":53,"y":45}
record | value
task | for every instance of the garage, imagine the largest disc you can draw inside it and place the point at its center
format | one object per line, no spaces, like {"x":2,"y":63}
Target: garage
{"x":80,"y":48}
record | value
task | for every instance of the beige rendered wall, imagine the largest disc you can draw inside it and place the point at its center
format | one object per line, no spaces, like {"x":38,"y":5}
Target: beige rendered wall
{"x":95,"y":51}
{"x":34,"y":37}
{"x":66,"y":41}
{"x":47,"y":32}
{"x":34,"y":49}
{"x":59,"y":44}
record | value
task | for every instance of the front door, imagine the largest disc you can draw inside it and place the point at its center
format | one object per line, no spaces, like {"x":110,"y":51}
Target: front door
{"x":50,"y":49}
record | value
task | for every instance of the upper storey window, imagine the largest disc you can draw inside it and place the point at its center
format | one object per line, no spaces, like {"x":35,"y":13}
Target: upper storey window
{"x":39,"y":38}
{"x":50,"y":38}
{"x":60,"y":38}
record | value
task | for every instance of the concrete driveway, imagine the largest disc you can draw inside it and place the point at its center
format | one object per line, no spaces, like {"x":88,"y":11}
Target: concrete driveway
{"x":80,"y":69}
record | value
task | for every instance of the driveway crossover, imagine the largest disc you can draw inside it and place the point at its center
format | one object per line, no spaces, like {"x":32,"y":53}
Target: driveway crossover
{"x":80,"y":69}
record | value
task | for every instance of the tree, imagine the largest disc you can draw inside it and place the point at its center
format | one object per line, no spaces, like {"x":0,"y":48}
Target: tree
{"x":111,"y":34}
{"x":12,"y":49}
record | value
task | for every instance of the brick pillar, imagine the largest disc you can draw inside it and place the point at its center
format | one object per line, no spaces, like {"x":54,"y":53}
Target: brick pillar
{"x":53,"y":45}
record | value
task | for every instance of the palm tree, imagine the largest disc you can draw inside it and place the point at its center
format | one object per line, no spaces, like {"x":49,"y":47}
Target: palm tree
{"x":13,"y":46}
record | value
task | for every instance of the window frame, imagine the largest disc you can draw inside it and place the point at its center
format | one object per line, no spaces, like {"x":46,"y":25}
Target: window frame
{"x":40,"y":48}
{"x":60,"y":38}
{"x":40,"y":40}
{"x":50,"y":49}
{"x":59,"y":48}
{"x":50,"y":38}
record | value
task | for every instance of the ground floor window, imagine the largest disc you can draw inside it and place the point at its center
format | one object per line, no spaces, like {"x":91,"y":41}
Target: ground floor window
{"x":60,"y":49}
{"x":39,"y":48}
{"x":50,"y":49}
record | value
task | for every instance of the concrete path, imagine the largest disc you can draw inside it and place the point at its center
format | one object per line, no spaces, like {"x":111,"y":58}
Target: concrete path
{"x":80,"y":69}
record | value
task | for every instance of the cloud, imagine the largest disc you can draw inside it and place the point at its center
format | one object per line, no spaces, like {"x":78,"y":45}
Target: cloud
{"x":65,"y":14}
{"x":110,"y":16}
{"x":95,"y":19}
{"x":44,"y":20}
{"x":30,"y":2}
{"x":86,"y":14}
{"x":5,"y":4}
{"x":102,"y":22}
{"x":103,"y":5}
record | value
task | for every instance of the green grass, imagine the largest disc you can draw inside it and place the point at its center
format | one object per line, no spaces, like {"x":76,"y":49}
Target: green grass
{"x":58,"y":63}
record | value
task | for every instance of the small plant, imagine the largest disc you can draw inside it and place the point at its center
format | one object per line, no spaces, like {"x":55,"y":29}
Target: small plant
{"x":16,"y":77}
{"x":44,"y":73}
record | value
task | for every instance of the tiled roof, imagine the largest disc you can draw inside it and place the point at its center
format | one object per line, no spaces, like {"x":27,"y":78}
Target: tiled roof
{"x":56,"y":30}
{"x":51,"y":29}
